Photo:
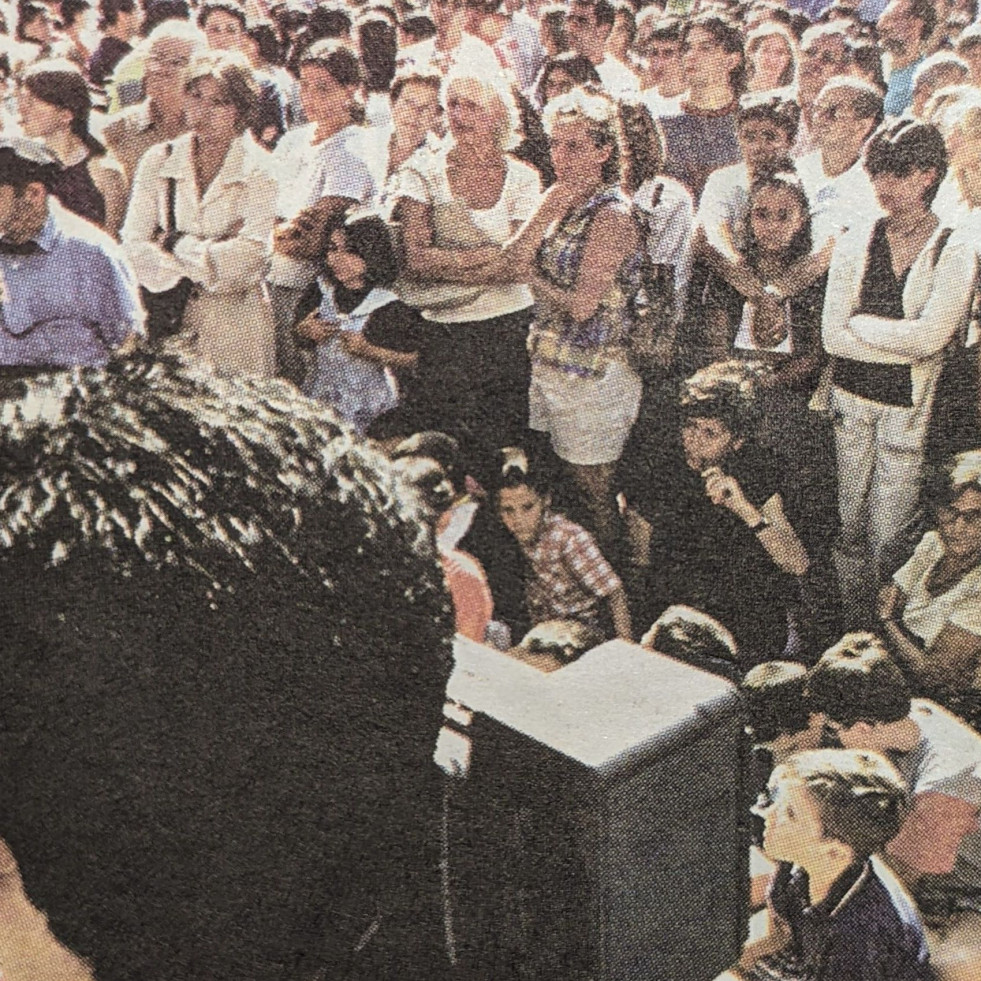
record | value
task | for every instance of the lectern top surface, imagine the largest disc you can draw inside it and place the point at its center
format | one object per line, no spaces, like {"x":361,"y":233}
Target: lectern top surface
{"x":616,"y":702}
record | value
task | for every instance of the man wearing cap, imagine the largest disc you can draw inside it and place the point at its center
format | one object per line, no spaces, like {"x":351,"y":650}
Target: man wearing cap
{"x":67,"y":295}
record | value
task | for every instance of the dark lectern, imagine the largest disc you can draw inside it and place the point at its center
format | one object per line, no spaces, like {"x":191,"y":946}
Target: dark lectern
{"x":600,"y":833}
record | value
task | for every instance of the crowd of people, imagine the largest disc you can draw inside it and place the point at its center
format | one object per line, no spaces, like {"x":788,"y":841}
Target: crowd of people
{"x":679,"y":302}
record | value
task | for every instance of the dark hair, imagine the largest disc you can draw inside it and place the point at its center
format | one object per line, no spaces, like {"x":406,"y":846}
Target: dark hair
{"x":867,"y":58}
{"x":695,"y":638}
{"x":163,"y":10}
{"x":552,"y":20}
{"x":867,"y":101}
{"x":665,"y":29}
{"x":268,"y":43}
{"x":378,"y":42}
{"x":336,"y":58}
{"x":603,"y":11}
{"x":802,"y":243}
{"x":516,"y":467}
{"x":925,"y":11}
{"x":960,"y":474}
{"x":418,"y":27}
{"x":727,"y":36}
{"x":215,"y":6}
{"x":60,"y":84}
{"x":24,"y":162}
{"x":329,"y":21}
{"x":369,"y":238}
{"x":902,"y":147}
{"x":773,"y":697}
{"x":234,"y":76}
{"x":855,"y":681}
{"x":109,"y":11}
{"x":578,"y":67}
{"x":861,"y":798}
{"x":644,"y":140}
{"x":441,"y":447}
{"x":783,"y":113}
{"x":69,"y":10}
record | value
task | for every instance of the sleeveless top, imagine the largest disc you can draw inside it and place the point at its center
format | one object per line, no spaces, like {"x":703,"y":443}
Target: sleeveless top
{"x":76,"y":190}
{"x":582,"y":347}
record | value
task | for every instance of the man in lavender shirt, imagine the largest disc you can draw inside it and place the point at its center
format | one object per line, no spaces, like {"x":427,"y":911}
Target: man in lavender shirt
{"x":67,"y":296}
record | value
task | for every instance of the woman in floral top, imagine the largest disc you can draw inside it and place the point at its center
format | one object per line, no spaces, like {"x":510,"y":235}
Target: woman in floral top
{"x":575,"y":250}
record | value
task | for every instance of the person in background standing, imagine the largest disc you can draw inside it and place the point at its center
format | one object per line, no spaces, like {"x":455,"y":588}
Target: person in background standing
{"x":119,"y":22}
{"x":69,"y":296}
{"x":224,"y":198}
{"x":160,"y":116}
{"x":55,"y":103}
{"x":903,"y":30}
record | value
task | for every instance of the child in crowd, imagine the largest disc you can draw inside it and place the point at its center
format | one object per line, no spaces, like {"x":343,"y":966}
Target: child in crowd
{"x":568,"y":579}
{"x":365,"y":335}
{"x":833,"y":914}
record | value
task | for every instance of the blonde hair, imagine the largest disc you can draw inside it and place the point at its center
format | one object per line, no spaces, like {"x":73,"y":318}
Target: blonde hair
{"x":493,"y":96}
{"x":861,"y":797}
{"x":601,"y":115}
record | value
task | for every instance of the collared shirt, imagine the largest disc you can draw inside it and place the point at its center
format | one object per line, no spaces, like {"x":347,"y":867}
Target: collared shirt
{"x":72,"y":303}
{"x":865,"y":929}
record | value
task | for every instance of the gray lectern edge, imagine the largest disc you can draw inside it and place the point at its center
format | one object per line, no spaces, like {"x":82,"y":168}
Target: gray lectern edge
{"x":616,"y":704}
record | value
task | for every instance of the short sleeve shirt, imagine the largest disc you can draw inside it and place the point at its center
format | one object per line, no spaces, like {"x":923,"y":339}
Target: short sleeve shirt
{"x":926,"y":615}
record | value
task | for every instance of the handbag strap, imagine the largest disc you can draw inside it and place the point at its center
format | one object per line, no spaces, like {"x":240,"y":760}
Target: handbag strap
{"x":171,"y":217}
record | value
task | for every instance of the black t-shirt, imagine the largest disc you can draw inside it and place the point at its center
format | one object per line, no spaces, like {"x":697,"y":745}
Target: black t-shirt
{"x":704,"y":556}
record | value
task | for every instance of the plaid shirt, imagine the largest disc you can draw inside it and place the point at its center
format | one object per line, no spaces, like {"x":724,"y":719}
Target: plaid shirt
{"x":570,"y":575}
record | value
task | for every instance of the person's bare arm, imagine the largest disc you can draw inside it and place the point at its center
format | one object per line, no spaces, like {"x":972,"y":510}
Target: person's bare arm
{"x":111,"y":183}
{"x":620,"y":614}
{"x":435,"y":264}
{"x":777,"y":537}
{"x":611,"y":239}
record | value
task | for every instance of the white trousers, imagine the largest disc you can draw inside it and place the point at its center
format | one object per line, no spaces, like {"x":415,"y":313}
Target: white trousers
{"x":880,"y":462}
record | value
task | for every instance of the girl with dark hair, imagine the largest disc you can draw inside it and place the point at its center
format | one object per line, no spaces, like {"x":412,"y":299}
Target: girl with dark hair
{"x":323,"y":169}
{"x":55,"y":103}
{"x":223,"y":197}
{"x":567,"y":576}
{"x":363,"y":332}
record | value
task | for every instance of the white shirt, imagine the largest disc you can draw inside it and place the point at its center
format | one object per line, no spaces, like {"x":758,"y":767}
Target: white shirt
{"x":423,"y":178}
{"x":308,"y":171}
{"x":660,"y":105}
{"x":836,"y":201}
{"x":724,"y":207}
{"x":927,"y":615}
{"x":618,"y":80}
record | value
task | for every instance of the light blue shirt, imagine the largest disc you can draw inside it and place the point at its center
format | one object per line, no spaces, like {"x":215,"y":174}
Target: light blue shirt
{"x":899,"y":92}
{"x":70,"y":304}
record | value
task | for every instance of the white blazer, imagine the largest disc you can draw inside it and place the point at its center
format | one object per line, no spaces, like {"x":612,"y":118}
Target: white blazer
{"x":225,"y":248}
{"x":228,"y":230}
{"x":936,"y":303}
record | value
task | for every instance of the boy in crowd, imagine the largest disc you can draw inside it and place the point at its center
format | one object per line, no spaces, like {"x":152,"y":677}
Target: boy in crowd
{"x":867,"y":704}
{"x":833,"y":915}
